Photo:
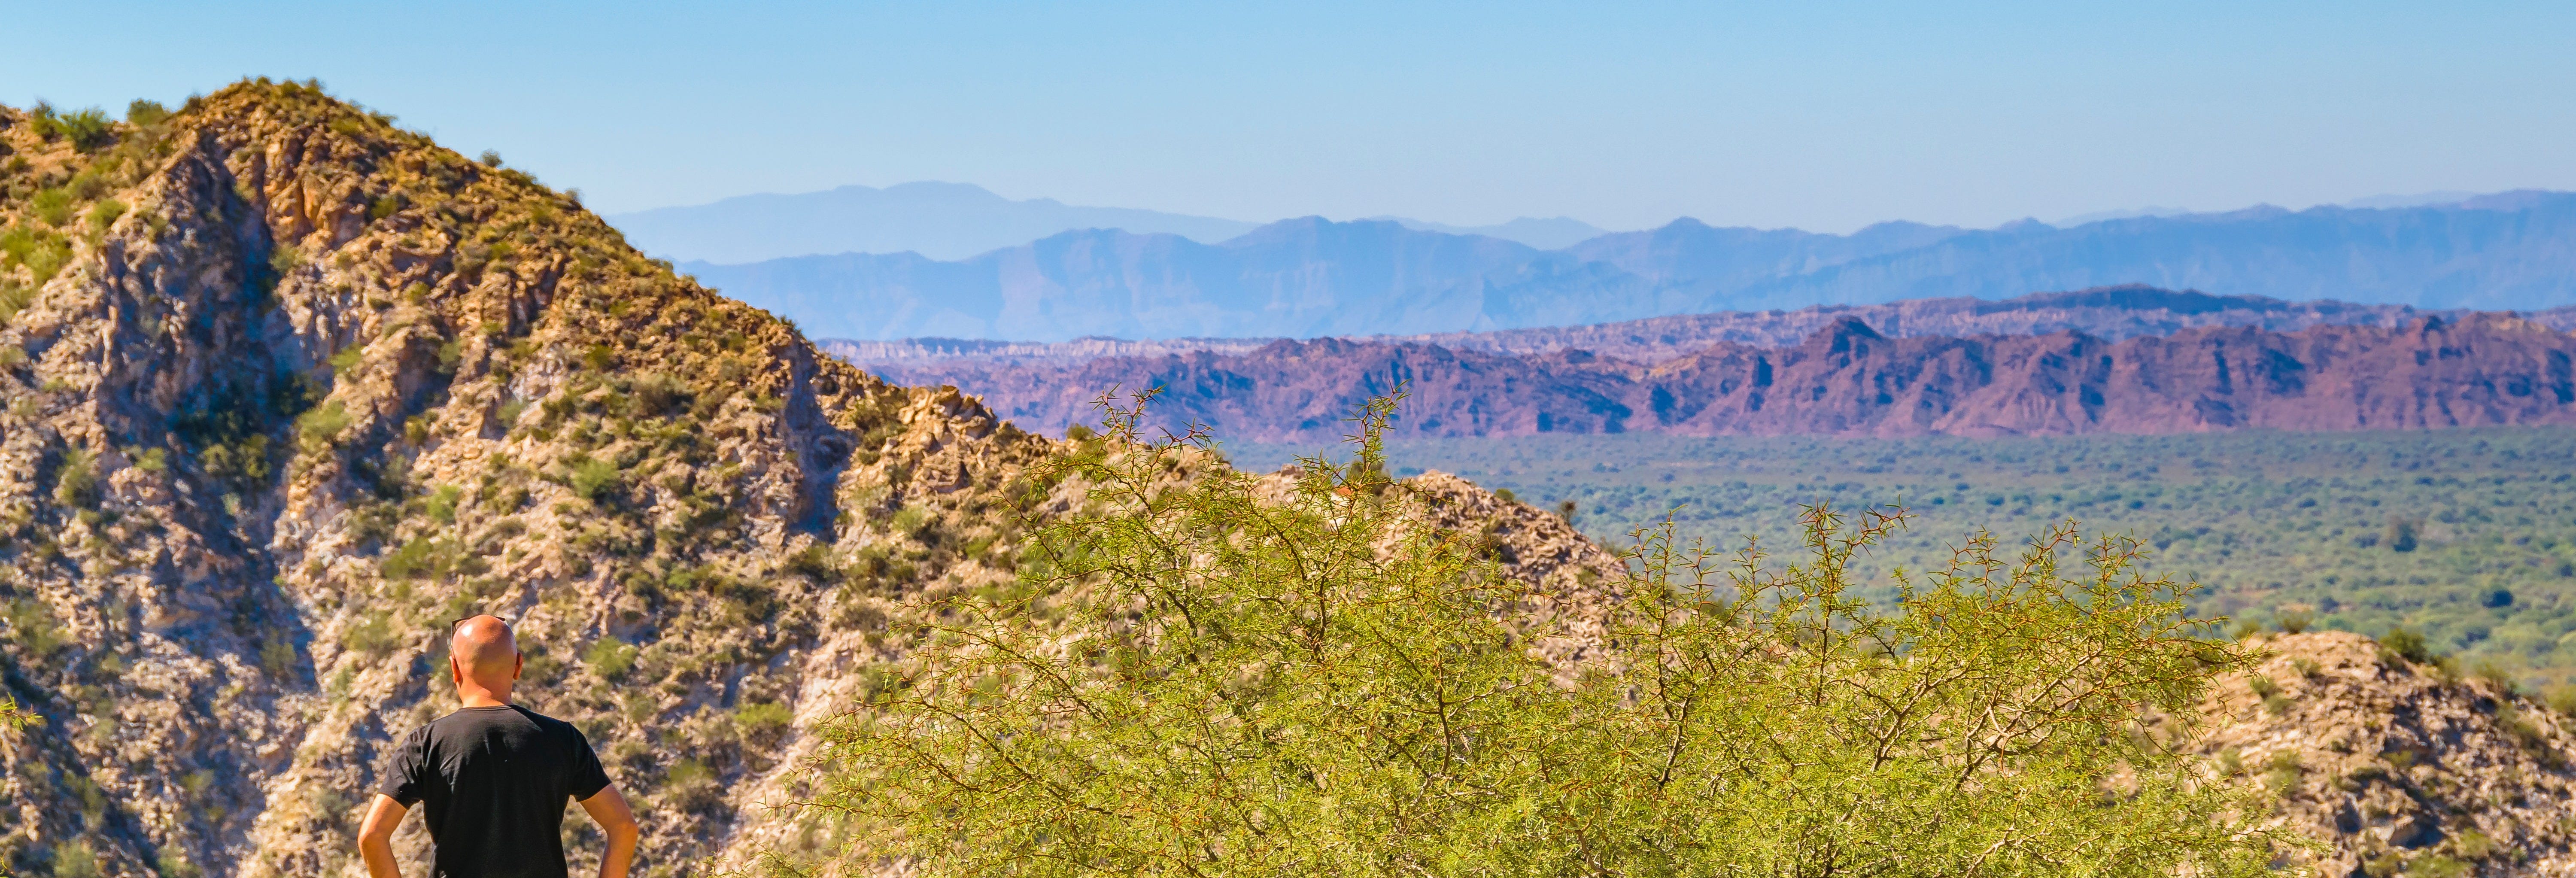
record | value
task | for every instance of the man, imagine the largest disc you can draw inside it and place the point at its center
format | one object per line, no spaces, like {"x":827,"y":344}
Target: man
{"x":496,"y":777}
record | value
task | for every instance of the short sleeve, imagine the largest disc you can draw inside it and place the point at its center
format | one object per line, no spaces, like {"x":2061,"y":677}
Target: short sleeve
{"x":583,"y":777}
{"x":406,"y":779}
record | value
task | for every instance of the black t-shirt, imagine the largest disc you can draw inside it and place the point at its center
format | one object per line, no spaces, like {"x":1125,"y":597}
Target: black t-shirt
{"x":497,"y":780}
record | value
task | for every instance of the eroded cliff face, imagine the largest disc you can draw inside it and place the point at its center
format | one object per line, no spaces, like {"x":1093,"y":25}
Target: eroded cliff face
{"x":2396,"y":765}
{"x":287,"y":389}
{"x":1845,"y":379}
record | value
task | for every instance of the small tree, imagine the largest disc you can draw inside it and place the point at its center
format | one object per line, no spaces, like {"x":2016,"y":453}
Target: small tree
{"x":1203,"y":677}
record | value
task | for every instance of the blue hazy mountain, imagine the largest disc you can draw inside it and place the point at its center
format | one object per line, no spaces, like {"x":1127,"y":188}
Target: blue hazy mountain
{"x":1312,"y":277}
{"x":950,"y":221}
{"x":1544,"y":233}
{"x":938,"y":220}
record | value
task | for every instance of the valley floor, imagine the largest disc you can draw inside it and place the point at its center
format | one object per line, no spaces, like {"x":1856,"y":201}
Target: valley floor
{"x":2468,"y":535}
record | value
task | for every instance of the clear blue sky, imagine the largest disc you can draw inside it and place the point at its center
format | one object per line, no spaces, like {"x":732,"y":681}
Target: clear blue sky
{"x":1818,"y":115}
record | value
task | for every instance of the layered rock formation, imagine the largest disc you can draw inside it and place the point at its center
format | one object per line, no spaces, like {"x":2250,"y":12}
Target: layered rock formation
{"x":2112,"y":313}
{"x":1846,"y":379}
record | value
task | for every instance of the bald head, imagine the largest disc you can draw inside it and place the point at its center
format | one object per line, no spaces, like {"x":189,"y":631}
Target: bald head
{"x":485,"y":656}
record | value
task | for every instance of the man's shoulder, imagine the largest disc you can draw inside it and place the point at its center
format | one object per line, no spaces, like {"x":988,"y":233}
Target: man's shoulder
{"x":551,"y":725}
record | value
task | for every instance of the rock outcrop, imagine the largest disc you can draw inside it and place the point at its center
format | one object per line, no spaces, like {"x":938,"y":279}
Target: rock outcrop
{"x":2396,"y":765}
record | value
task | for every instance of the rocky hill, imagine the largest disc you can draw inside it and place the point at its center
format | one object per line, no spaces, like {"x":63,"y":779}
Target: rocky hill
{"x":2398,"y":765}
{"x":1845,"y":379}
{"x":288,"y":388}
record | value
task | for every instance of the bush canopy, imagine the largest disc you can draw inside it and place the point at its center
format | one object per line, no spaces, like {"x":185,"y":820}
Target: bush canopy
{"x":1203,"y":672}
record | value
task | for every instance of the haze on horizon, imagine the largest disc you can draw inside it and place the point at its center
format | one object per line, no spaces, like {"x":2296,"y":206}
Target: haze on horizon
{"x":1825,"y":119}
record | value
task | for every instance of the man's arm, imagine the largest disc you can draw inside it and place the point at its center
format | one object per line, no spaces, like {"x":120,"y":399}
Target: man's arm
{"x":608,"y":809}
{"x":376,"y":837}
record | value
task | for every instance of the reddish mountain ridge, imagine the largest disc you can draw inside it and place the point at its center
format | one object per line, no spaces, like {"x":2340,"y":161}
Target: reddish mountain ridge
{"x":1845,"y":379}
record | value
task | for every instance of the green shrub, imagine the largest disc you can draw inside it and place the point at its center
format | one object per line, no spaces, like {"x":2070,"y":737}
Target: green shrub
{"x":277,"y":657}
{"x":2407,"y":644}
{"x":413,"y":560}
{"x":142,"y":113}
{"x":657,"y":395}
{"x":814,"y":562}
{"x":384,"y":207}
{"x":76,"y":483}
{"x":761,"y":717}
{"x":593,"y":478}
{"x":75,"y":859}
{"x":2522,"y":730}
{"x":285,"y":259}
{"x":2294,"y":620}
{"x":32,"y":626}
{"x":441,"y":504}
{"x":323,"y":425}
{"x":375,"y":636}
{"x":2496,"y":675}
{"x":2562,"y":698}
{"x":610,"y":658}
{"x":347,"y":358}
{"x":2438,"y":866}
{"x":104,"y":214}
{"x":86,"y":129}
{"x":491,"y":158}
{"x":2284,"y":773}
{"x":913,"y":521}
{"x":1210,"y":681}
{"x":54,"y":206}
{"x":174,"y":863}
{"x":2402,"y":531}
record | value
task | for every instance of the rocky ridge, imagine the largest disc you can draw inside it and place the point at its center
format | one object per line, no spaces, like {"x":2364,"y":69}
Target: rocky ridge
{"x":1846,"y":378}
{"x":287,"y":388}
{"x":2110,"y":313}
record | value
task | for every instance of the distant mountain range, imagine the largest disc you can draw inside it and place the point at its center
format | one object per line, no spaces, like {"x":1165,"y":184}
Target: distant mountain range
{"x":1312,"y":277}
{"x":1846,"y":378}
{"x":950,"y":221}
{"x":937,"y":220}
{"x":2111,"y":313}
{"x":1546,"y":234}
